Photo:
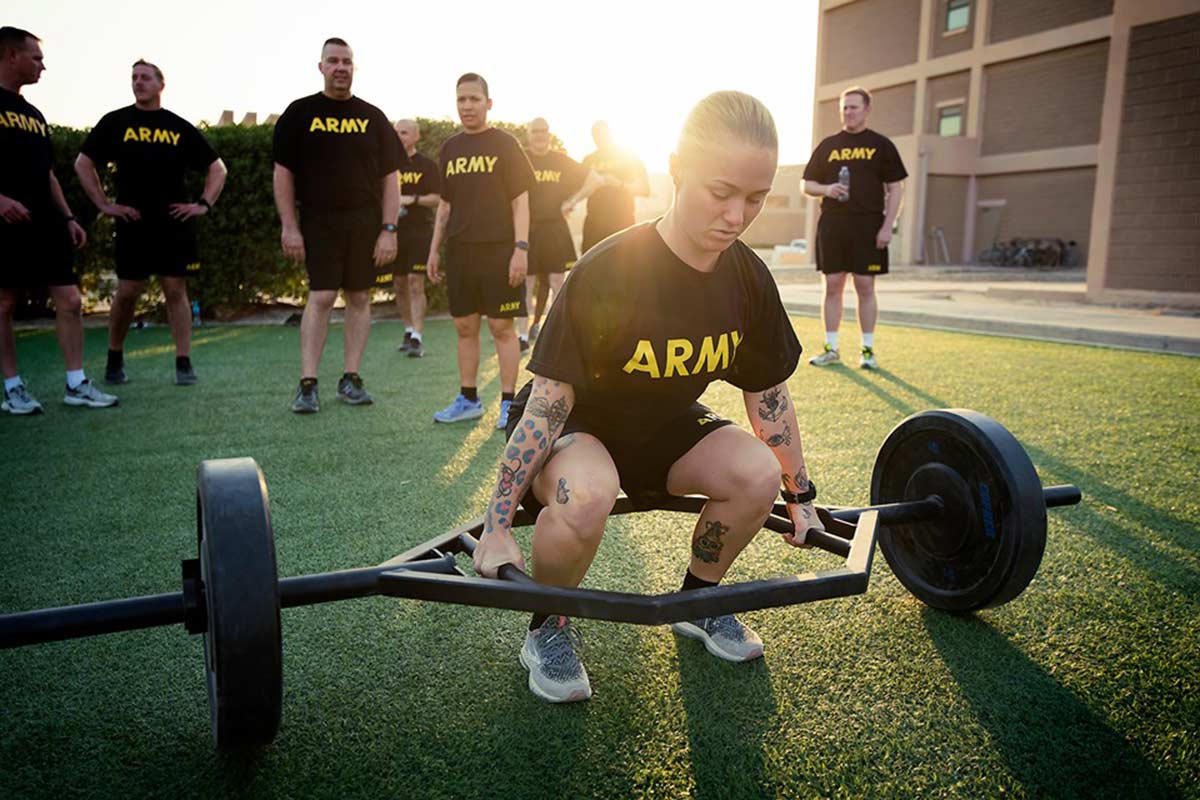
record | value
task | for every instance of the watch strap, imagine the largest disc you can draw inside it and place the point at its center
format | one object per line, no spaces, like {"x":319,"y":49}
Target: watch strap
{"x":801,"y":497}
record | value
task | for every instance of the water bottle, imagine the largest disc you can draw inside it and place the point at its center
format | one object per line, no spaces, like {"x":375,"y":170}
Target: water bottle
{"x":844,"y":180}
{"x":196,"y":313}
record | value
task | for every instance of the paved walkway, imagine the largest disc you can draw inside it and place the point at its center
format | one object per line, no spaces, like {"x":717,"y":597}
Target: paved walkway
{"x":1045,"y":305}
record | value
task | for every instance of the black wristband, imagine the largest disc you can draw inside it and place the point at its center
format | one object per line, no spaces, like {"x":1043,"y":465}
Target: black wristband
{"x":69,"y":218}
{"x":205,"y":203}
{"x":804,"y":497}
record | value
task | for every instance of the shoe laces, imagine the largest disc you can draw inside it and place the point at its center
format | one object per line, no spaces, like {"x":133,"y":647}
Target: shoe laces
{"x":867,"y":351}
{"x":728,"y":626}
{"x":354,"y":379}
{"x":559,"y":648}
{"x":19,"y":392}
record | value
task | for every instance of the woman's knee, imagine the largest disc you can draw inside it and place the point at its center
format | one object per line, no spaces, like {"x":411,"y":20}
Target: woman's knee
{"x":582,"y":504}
{"x":755,"y":476}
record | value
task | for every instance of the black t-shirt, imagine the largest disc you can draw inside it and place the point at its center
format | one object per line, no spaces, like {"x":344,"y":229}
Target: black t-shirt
{"x":639,"y":334}
{"x":873,"y":161}
{"x":338,"y":150}
{"x":481,"y":174}
{"x":420,"y":177}
{"x":558,"y":177}
{"x":26,"y":155}
{"x":153,"y":151}
{"x":613,"y":204}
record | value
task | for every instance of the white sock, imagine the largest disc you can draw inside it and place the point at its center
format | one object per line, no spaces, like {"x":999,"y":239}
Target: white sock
{"x":408,"y":329}
{"x":831,"y":338}
{"x":523,"y":338}
{"x":416,"y":335}
{"x":75,"y":377}
{"x":869,"y":340}
{"x":12,"y":383}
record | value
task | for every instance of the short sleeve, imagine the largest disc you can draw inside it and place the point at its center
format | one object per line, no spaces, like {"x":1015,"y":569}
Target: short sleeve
{"x":575,"y":173}
{"x":812,"y":170}
{"x":200,"y":154}
{"x":518,"y":177}
{"x":769,"y":352}
{"x":559,"y":352}
{"x":431,"y":180}
{"x":392,"y":156}
{"x":447,"y":186}
{"x":97,"y":146}
{"x":893,"y":166}
{"x":285,"y":143}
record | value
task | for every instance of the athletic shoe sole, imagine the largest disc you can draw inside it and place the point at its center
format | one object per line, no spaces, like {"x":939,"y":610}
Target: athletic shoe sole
{"x":695,"y":632}
{"x":353,"y":401}
{"x":116,"y":378}
{"x":185,"y":380}
{"x":574,"y":696}
{"x":20,"y":412}
{"x":79,"y":402}
{"x":464,"y":418}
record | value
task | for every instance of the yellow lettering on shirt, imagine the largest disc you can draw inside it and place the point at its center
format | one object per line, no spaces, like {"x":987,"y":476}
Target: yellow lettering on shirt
{"x":28,"y":124}
{"x":336,"y":125}
{"x":151,"y":136}
{"x":410,"y":177}
{"x":491,"y":162}
{"x":17,"y":120}
{"x":678,"y":351}
{"x":143,"y":134}
{"x":476,"y":164}
{"x":547,"y":175}
{"x":713,"y":355}
{"x":643,"y":360}
{"x":316,"y":125}
{"x":852,"y":154}
{"x":463,"y":165}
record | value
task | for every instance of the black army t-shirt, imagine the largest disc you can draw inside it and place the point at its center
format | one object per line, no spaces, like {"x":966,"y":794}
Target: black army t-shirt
{"x":153,"y":151}
{"x":481,"y":174}
{"x":338,"y":150}
{"x":420,"y":177}
{"x":558,"y":177}
{"x":612,"y":206}
{"x":26,"y":155}
{"x":639,"y":334}
{"x":873,"y":161}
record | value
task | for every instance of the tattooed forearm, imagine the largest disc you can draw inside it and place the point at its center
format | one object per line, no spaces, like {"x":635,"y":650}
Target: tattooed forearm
{"x":777,"y":439}
{"x":563,"y":495}
{"x":772,"y":405}
{"x":707,"y":545}
{"x":554,"y":413}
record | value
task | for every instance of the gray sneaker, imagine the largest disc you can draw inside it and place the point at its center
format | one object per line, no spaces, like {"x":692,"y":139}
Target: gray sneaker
{"x":114,"y":376}
{"x":828,"y":356}
{"x":86,"y":394}
{"x":407,"y":343}
{"x":186,"y":376}
{"x":19,"y":401}
{"x":307,"y":400}
{"x":867,"y":359}
{"x":350,"y":390}
{"x":555,"y":672}
{"x":415,"y":348}
{"x":725,"y":637}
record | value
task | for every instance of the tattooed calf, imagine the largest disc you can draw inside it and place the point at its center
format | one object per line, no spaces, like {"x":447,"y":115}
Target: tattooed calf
{"x":777,"y":439}
{"x":772,"y":405}
{"x":707,"y":546}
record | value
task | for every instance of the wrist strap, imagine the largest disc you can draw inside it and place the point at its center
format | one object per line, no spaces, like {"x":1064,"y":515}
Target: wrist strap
{"x":803,"y":497}
{"x":205,"y":203}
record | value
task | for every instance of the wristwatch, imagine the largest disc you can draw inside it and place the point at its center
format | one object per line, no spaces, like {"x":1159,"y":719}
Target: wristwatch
{"x":804,"y":497}
{"x":521,"y":244}
{"x":205,"y":203}
{"x":389,"y":227}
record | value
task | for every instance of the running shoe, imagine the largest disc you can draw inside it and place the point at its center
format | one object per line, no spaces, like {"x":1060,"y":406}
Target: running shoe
{"x":502,"y":421}
{"x":460,"y":410}
{"x":524,"y":344}
{"x":828,"y":356}
{"x":404,"y":346}
{"x":86,"y":394}
{"x":350,"y":390}
{"x":725,"y":637}
{"x":19,"y":401}
{"x":114,"y":375}
{"x":867,"y":359}
{"x":415,"y":350}
{"x":550,"y":654}
{"x":185,"y":376}
{"x":307,"y":400}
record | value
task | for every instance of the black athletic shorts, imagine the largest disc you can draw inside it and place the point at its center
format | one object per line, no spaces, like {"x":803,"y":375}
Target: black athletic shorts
{"x":551,"y":248}
{"x":642,"y":467}
{"x":339,"y":247}
{"x":411,"y":253}
{"x":37,"y":253}
{"x":477,"y":280}
{"x":156,"y":247}
{"x":846,"y":243}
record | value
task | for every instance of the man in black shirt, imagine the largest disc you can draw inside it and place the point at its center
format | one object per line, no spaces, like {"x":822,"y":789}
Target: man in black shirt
{"x":611,"y":207}
{"x":152,"y":150}
{"x":336,"y":158}
{"x":648,"y":319}
{"x":857,"y":215}
{"x":420,"y":191}
{"x":37,"y":230}
{"x":562,"y":182}
{"x":484,"y":219}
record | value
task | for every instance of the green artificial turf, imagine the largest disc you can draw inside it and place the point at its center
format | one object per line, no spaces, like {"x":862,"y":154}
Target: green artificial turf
{"x":1087,"y":685}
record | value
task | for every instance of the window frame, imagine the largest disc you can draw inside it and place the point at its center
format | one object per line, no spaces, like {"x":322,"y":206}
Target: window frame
{"x":953,"y":6}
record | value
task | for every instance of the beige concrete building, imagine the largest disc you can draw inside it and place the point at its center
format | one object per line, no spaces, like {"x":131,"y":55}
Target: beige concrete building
{"x":1070,"y":119}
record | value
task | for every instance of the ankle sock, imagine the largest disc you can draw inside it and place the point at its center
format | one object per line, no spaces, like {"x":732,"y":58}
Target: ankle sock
{"x":308,"y":383}
{"x":831,"y":339}
{"x":507,"y":396}
{"x":691,"y":582}
{"x":12,"y":383}
{"x":469,"y":392}
{"x":75,"y":378}
{"x":868,"y":340}
{"x":183,"y":362}
{"x":415,"y":336}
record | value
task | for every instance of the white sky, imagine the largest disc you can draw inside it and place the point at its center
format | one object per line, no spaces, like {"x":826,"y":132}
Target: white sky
{"x":640,"y":64}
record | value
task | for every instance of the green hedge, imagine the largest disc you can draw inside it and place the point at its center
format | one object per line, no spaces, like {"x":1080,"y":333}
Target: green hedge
{"x":239,"y":238}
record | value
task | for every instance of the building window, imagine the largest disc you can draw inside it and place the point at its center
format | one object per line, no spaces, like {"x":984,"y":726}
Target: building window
{"x":950,"y":121}
{"x":958,"y":15}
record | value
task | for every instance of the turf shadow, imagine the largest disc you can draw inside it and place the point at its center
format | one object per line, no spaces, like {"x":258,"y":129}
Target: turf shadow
{"x":1054,"y":744}
{"x":731,"y":710}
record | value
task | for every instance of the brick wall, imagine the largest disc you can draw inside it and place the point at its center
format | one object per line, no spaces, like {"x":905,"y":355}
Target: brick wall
{"x":1013,"y":18}
{"x":946,"y":87}
{"x":868,"y":36}
{"x":945,"y":208}
{"x":1050,"y":204}
{"x":943,"y":44}
{"x":1043,"y":101}
{"x":1155,"y":230}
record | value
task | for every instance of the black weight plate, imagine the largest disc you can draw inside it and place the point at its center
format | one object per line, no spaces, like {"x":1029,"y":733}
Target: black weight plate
{"x":988,"y":546}
{"x":243,"y":651}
